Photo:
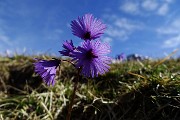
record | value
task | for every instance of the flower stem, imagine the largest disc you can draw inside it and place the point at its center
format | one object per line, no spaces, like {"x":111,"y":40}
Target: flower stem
{"x":72,"y":97}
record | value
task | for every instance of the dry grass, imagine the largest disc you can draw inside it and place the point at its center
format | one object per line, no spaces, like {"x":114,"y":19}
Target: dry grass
{"x":147,"y":90}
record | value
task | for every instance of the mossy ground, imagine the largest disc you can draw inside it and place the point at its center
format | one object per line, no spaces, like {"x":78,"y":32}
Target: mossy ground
{"x":147,"y":90}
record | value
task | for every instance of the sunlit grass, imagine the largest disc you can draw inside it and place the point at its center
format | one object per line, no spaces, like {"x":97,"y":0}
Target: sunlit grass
{"x":129,"y":91}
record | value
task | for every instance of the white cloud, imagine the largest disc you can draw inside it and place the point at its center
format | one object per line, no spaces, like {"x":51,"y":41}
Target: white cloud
{"x":171,"y":33}
{"x":172,"y":42}
{"x":126,"y":24}
{"x":149,"y":5}
{"x":146,"y":7}
{"x":168,"y":31}
{"x":54,"y":34}
{"x":163,"y":10}
{"x":130,"y":7}
{"x":171,"y":28}
{"x":5,"y":39}
{"x":176,"y":23}
{"x":121,"y":28}
{"x":169,"y":1}
{"x":107,"y":39}
{"x":117,"y":33}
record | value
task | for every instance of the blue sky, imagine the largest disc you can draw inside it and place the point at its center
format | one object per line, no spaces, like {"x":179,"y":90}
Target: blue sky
{"x":146,"y":27}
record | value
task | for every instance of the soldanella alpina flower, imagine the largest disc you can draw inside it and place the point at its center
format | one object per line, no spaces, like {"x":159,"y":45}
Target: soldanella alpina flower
{"x":47,"y":70}
{"x":91,"y":58}
{"x":68,"y":48}
{"x":121,"y":57}
{"x":87,"y":27}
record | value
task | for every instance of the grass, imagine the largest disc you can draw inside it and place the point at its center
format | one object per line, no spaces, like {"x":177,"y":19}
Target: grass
{"x":147,"y":90}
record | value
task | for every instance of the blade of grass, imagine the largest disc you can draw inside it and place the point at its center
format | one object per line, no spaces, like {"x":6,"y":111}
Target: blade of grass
{"x":166,"y":58}
{"x":45,"y":107}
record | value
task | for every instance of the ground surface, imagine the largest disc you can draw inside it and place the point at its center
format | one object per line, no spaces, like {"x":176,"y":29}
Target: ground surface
{"x":146,"y":90}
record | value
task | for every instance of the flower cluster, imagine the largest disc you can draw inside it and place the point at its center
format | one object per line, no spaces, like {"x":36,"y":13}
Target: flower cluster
{"x":90,"y":58}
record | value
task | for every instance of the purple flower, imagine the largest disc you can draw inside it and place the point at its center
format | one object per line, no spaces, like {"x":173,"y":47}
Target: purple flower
{"x":47,"y":70}
{"x":121,"y":57}
{"x":90,"y":57}
{"x":87,"y":27}
{"x":68,"y":48}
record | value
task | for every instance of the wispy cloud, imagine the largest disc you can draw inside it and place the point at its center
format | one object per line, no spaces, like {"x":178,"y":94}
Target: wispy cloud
{"x":5,"y":40}
{"x":157,"y":7}
{"x":107,"y":39}
{"x":169,"y":1}
{"x":117,"y":33}
{"x":130,"y":7}
{"x":170,"y":28}
{"x":55,"y":34}
{"x":29,"y":25}
{"x":149,"y":5}
{"x":121,"y":28}
{"x":163,"y":10}
{"x":172,"y":42}
{"x":126,"y":24}
{"x":171,"y":33}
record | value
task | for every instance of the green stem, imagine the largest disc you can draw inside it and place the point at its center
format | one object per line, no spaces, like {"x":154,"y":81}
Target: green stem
{"x":72,"y":98}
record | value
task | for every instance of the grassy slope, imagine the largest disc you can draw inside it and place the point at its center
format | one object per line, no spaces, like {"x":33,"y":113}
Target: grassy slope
{"x":146,"y":90}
